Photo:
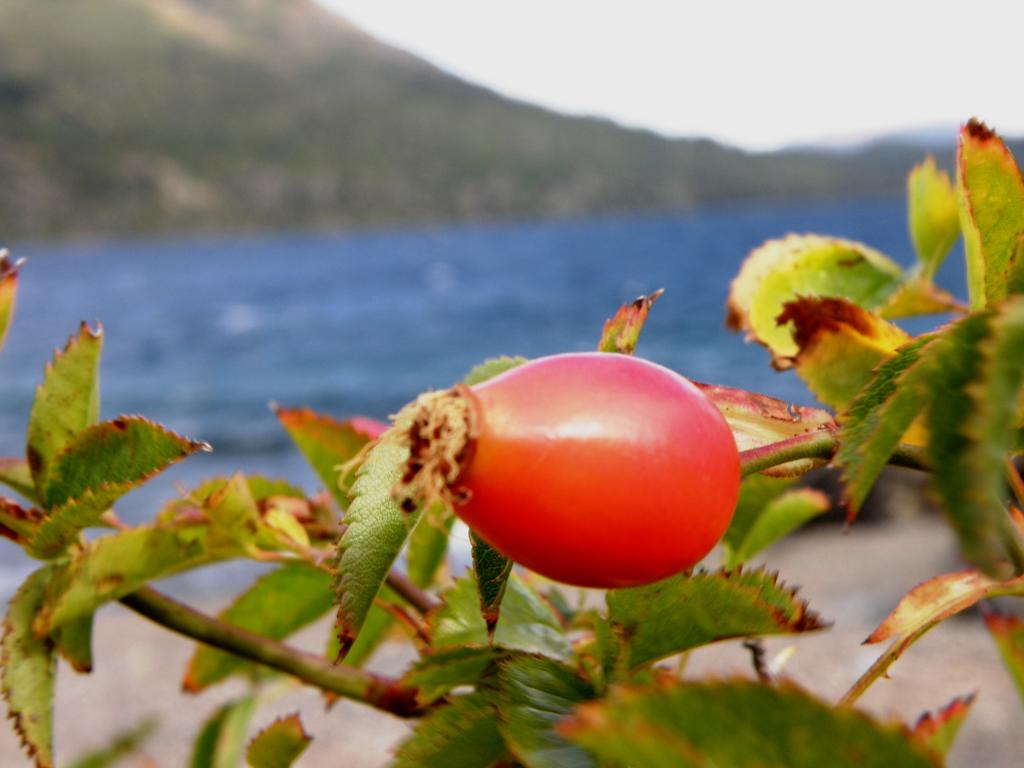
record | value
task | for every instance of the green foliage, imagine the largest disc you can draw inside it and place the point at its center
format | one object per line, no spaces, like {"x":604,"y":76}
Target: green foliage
{"x":778,"y":518}
{"x":439,"y":672}
{"x":221,"y":742}
{"x":376,"y":531}
{"x":15,"y":474}
{"x":488,"y":369}
{"x":120,"y":747}
{"x":66,"y":402}
{"x":428,"y":545}
{"x":8,"y":292}
{"x":736,"y":724}
{"x":29,"y":667}
{"x":74,"y":643}
{"x":275,"y":605}
{"x":463,"y":734}
{"x":991,"y":196}
{"x":622,"y":332}
{"x":933,"y":214}
{"x":527,"y":622}
{"x":279,"y":744}
{"x":492,"y":571}
{"x":691,"y":610}
{"x":534,"y":695}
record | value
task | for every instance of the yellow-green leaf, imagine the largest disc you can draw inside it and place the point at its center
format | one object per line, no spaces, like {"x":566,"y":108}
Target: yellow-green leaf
{"x":804,"y":265}
{"x":15,"y":474}
{"x":933,"y":214}
{"x":839,"y":344}
{"x":29,"y":665}
{"x":221,"y":741}
{"x":779,"y":517}
{"x":8,"y":292}
{"x":66,"y":402}
{"x":991,"y":197}
{"x":279,"y":744}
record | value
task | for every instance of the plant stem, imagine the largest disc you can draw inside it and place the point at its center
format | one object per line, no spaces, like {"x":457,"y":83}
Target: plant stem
{"x":413,"y":595}
{"x":378,"y":691}
{"x":819,"y":444}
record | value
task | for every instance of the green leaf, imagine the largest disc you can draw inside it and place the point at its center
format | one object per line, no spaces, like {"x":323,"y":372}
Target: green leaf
{"x":534,"y":695}
{"x":232,"y":512}
{"x":838,"y":346}
{"x":757,"y":420}
{"x":938,"y":730}
{"x":113,"y":566}
{"x":527,"y":623}
{"x":690,"y":610}
{"x":779,"y":517}
{"x":933,"y":214}
{"x":428,"y":545}
{"x":8,"y":292}
{"x":491,"y":368}
{"x":622,"y":332}
{"x":74,"y":643}
{"x":326,"y":442}
{"x":1008,"y":634}
{"x":463,"y":734}
{"x":879,"y":417}
{"x":274,"y":606}
{"x":492,"y":570}
{"x":376,"y":627}
{"x":756,"y":492}
{"x":975,"y":393}
{"x":437,"y":673}
{"x":991,"y":197}
{"x":804,"y":265}
{"x":737,"y":724}
{"x":376,"y":531}
{"x":1015,"y":269}
{"x":15,"y":474}
{"x":122,"y":745}
{"x":279,"y":744}
{"x":98,"y":466}
{"x":221,"y":742}
{"x":29,"y":666}
{"x":66,"y":402}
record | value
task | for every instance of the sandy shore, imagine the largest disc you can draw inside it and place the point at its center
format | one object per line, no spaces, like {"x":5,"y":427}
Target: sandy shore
{"x":852,"y":579}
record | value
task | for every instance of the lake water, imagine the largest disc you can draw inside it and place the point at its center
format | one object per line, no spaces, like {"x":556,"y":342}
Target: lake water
{"x":201,"y":333}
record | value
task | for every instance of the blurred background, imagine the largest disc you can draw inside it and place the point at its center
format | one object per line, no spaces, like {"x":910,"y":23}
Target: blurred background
{"x":341,"y":203}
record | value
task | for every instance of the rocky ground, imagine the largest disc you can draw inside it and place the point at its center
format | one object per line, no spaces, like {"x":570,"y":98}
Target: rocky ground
{"x":852,"y":579}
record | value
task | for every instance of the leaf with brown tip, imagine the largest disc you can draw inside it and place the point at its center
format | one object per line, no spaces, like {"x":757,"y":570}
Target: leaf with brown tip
{"x":937,"y":730}
{"x":279,"y":744}
{"x":622,"y":332}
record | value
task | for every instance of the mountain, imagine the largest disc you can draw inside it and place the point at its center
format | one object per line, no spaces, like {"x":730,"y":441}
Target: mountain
{"x":125,"y":116}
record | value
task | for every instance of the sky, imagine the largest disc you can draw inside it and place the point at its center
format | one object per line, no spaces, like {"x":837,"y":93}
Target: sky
{"x":759,"y":75}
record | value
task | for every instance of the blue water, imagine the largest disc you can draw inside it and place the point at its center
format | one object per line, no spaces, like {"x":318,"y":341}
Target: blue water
{"x":201,"y":333}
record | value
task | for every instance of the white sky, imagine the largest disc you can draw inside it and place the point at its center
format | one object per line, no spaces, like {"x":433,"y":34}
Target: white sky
{"x":758,"y":74}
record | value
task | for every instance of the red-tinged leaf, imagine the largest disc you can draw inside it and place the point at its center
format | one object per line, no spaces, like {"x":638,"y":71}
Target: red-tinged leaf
{"x":8,"y":291}
{"x":736,"y":724}
{"x":279,"y":744}
{"x":372,"y":428}
{"x":991,"y":195}
{"x":690,"y":610}
{"x":937,"y":730}
{"x":66,"y":402}
{"x":327,"y":443}
{"x":18,"y":523}
{"x":622,"y":332}
{"x":275,"y":605}
{"x":928,"y":604}
{"x":932,"y":213}
{"x":16,"y":475}
{"x":757,"y":420}
{"x":28,"y":663}
{"x":838,"y":346}
{"x":1008,"y":634}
